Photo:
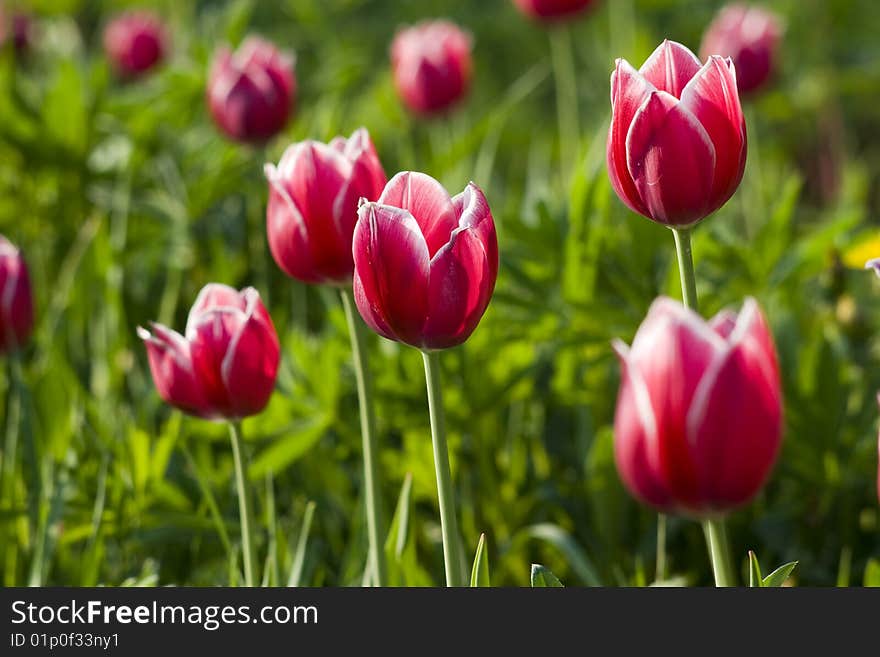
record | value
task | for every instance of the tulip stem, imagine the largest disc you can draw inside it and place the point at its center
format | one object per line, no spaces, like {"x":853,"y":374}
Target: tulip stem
{"x":445,"y":489}
{"x":686,"y":267}
{"x":372,"y":495}
{"x":716,"y":537}
{"x":7,"y":471}
{"x":660,"y":566}
{"x":244,"y":513}
{"x":562,"y":54}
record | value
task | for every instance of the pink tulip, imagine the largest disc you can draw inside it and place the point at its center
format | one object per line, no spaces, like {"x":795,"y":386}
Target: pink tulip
{"x":432,"y":66}
{"x":750,"y":36}
{"x":677,"y":142}
{"x":252,"y":92}
{"x":16,"y":300}
{"x":226,"y":365}
{"x":313,"y":205}
{"x":699,"y":412}
{"x":552,"y":10}
{"x":424,"y":263}
{"x":20,"y":26}
{"x":135,"y":42}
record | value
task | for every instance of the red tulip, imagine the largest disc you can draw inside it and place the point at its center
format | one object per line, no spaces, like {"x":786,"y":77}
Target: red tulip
{"x":135,"y":42}
{"x":251,"y":93}
{"x":20,"y":26}
{"x":699,"y":412}
{"x":750,"y":36}
{"x":677,"y":142}
{"x":16,"y":300}
{"x":313,"y":205}
{"x":432,"y":66}
{"x":226,"y":365}
{"x":424,"y":263}
{"x":549,"y":10}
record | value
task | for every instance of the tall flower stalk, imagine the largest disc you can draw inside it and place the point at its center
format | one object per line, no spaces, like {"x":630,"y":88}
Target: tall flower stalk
{"x":314,"y":193}
{"x":425,"y":268}
{"x":455,"y":575}
{"x":676,"y":152}
{"x":372,"y":493}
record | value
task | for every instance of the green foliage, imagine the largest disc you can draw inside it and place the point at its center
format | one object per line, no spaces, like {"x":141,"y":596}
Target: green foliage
{"x":126,"y":201}
{"x":542,"y":577}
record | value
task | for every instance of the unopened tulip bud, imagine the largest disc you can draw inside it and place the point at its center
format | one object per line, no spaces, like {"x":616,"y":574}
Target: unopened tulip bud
{"x":225,"y":366}
{"x":432,"y":66}
{"x":699,"y":413}
{"x":553,"y":10}
{"x":425,"y":264}
{"x":16,"y":300}
{"x":750,"y":36}
{"x":251,"y":92}
{"x":313,"y":205}
{"x":135,"y":43}
{"x":676,"y":147}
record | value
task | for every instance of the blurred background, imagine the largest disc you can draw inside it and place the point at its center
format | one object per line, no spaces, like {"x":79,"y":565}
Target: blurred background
{"x":126,"y":200}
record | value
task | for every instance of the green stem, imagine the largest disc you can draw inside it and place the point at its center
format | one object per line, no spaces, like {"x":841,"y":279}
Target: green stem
{"x":562,"y":54}
{"x":686,"y":267}
{"x":372,"y":494}
{"x":8,"y":470}
{"x":445,"y":491}
{"x":243,"y":509}
{"x":660,"y":568}
{"x":716,"y":537}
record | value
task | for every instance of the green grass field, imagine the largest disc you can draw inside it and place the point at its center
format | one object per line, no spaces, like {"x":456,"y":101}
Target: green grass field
{"x":126,"y":200}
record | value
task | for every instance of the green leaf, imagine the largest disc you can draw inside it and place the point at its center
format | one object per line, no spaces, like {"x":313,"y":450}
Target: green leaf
{"x":756,"y":580}
{"x":872,"y":573}
{"x":542,"y":577}
{"x":299,"y":557}
{"x":777,"y":577}
{"x":574,"y":553}
{"x":397,"y":534}
{"x":480,"y":570}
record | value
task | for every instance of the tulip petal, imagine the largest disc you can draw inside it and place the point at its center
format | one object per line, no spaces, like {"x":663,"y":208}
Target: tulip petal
{"x":670,"y":67}
{"x":16,"y":298}
{"x":209,"y":339}
{"x":636,"y":445}
{"x":460,"y":287}
{"x":672,"y":355}
{"x":172,"y":370}
{"x":734,"y":424}
{"x":315,"y":177}
{"x":427,"y":201}
{"x":724,"y":323}
{"x":286,"y":232}
{"x":391,"y":271}
{"x":368,"y":176}
{"x":671,"y":160}
{"x":712,"y":97}
{"x":629,"y":90}
{"x":215,"y":295}
{"x":249,"y":368}
{"x":472,"y":209}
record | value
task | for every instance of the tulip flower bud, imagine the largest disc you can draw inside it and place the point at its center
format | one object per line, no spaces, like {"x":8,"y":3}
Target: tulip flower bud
{"x":20,"y":27}
{"x":135,"y":42}
{"x":432,"y":66}
{"x":699,"y":412}
{"x":252,"y":92}
{"x":677,"y":143}
{"x":313,"y":205}
{"x":750,"y":36}
{"x":16,"y":301}
{"x":225,"y":367}
{"x":424,"y":263}
{"x":553,"y":10}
